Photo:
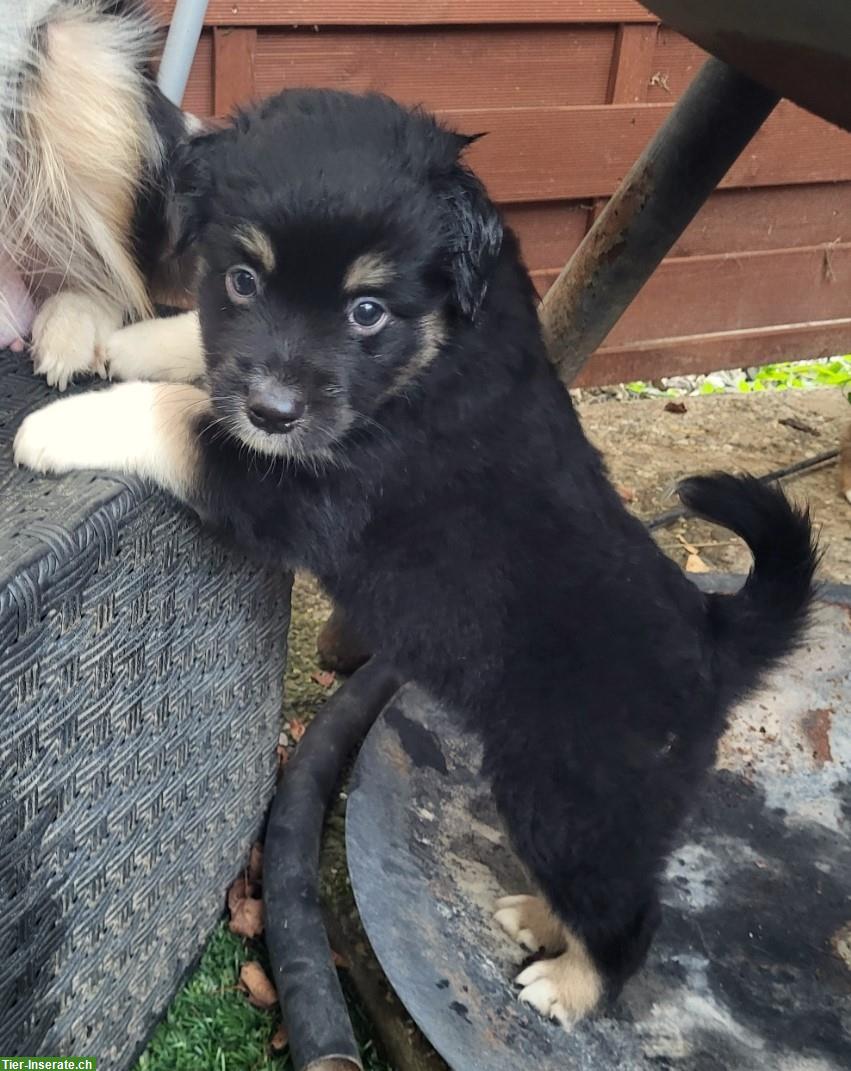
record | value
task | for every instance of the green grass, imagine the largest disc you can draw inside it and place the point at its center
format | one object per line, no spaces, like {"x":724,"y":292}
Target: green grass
{"x":210,"y":1025}
{"x":793,"y":375}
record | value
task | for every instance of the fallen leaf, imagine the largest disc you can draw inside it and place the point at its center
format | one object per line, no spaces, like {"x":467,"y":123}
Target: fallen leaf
{"x":280,"y":1040}
{"x":676,"y":407}
{"x":255,"y":862}
{"x":261,"y":992}
{"x":340,"y":961}
{"x":696,"y":564}
{"x":297,"y":729}
{"x":246,"y":908}
{"x":239,"y":890}
{"x":689,"y":548}
{"x":323,"y":677}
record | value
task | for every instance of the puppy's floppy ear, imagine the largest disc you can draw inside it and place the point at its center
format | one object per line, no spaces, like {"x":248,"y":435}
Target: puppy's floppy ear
{"x":474,"y":232}
{"x":190,"y":189}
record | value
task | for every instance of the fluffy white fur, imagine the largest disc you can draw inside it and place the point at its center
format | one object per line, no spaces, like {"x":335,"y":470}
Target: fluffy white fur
{"x":166,"y":349}
{"x":74,"y":132}
{"x":135,"y":428}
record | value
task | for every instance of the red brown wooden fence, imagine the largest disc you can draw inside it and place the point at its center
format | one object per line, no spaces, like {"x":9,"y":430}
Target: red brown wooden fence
{"x":569,"y":92}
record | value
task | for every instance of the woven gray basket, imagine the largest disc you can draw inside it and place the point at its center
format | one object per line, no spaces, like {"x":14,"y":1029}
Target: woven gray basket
{"x":141,"y":668}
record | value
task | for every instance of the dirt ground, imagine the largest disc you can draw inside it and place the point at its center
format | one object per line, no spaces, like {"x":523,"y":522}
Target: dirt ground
{"x":648,"y":450}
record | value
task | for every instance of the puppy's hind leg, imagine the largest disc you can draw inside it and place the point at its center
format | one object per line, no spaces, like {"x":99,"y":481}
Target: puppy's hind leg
{"x":598,"y":908}
{"x":167,"y":349}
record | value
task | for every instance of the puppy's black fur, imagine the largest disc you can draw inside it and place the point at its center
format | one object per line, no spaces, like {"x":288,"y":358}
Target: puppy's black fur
{"x":439,"y":485}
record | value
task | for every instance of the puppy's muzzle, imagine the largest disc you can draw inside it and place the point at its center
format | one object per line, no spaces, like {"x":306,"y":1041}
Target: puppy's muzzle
{"x":275,"y":408}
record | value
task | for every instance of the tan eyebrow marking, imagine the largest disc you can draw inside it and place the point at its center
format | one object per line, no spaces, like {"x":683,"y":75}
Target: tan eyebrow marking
{"x":433,"y":337}
{"x":257,"y":244}
{"x":369,"y":270}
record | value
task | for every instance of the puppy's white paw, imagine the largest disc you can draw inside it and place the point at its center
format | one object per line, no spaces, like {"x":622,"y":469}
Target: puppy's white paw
{"x":565,"y":988}
{"x":43,"y":438}
{"x":141,"y":428}
{"x":530,"y":922}
{"x":167,"y":349}
{"x":69,"y":336}
{"x":107,"y":429}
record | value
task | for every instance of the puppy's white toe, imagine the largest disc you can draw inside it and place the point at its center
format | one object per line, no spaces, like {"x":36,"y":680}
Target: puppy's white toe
{"x":530,"y":922}
{"x":69,"y":337}
{"x":565,"y":988}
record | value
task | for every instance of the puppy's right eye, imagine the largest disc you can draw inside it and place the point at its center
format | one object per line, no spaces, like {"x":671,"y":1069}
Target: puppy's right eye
{"x":241,"y":284}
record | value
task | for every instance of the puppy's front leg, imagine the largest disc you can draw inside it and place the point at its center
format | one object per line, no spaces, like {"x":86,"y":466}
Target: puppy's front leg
{"x":168,"y":348}
{"x":147,"y":429}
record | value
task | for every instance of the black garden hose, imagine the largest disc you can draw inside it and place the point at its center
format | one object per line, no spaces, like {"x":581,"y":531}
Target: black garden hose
{"x":314,"y":1010}
{"x":662,"y":520}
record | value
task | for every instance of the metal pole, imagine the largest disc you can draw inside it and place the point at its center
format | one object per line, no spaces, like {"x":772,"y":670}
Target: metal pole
{"x":180,"y":45}
{"x":703,"y":136}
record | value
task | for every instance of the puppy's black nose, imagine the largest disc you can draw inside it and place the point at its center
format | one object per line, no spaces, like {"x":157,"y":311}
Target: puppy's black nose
{"x":274,"y":408}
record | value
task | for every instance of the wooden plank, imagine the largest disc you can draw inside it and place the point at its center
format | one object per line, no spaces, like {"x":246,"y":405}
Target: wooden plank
{"x":731,"y":291}
{"x":456,"y":67}
{"x":198,"y":97}
{"x":745,"y":220}
{"x":548,"y":233}
{"x":554,"y":154}
{"x":629,"y":78}
{"x":693,"y":354}
{"x":410,"y":12}
{"x":675,"y":62}
{"x":770,"y":218}
{"x":233,"y":68}
{"x":632,"y":57}
{"x":546,"y":154}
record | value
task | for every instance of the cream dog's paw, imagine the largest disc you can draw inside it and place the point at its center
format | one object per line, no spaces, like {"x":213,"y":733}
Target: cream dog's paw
{"x":565,"y":988}
{"x":69,"y":336}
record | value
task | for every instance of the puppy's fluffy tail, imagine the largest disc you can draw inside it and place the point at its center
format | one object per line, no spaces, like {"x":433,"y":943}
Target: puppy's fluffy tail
{"x":766,"y":619}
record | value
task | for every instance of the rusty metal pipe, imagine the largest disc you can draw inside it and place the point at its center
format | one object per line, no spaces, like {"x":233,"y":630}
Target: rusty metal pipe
{"x":703,"y":136}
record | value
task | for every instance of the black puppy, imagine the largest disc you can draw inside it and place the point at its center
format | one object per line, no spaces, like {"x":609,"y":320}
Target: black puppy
{"x":381,"y":411}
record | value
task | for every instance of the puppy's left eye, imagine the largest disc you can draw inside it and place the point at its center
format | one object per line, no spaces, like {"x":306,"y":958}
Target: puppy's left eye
{"x":241,"y":284}
{"x":367,"y":315}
